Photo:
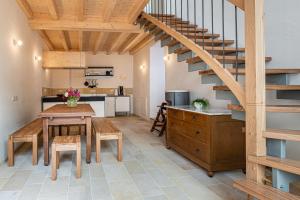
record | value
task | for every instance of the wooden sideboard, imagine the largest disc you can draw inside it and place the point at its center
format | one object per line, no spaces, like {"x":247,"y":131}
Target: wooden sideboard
{"x":215,"y":142}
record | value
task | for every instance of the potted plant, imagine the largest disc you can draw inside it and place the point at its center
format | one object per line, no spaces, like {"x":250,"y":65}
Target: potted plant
{"x":200,"y":103}
{"x":72,"y":96}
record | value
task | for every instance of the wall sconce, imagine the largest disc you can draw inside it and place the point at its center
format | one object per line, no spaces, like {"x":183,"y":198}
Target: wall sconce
{"x":166,"y":58}
{"x":38,"y":58}
{"x":142,"y":67}
{"x":18,"y":43}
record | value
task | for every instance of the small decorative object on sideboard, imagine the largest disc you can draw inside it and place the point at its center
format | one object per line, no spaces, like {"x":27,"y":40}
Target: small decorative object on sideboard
{"x":73,"y":96}
{"x":199,"y":104}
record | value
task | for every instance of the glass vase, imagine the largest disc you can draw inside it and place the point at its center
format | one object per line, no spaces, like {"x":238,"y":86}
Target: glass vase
{"x":72,"y":103}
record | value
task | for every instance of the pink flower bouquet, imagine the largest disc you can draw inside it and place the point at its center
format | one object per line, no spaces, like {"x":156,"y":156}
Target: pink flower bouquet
{"x":73,"y":96}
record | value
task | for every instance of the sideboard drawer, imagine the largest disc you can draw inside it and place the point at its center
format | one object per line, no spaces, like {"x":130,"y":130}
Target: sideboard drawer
{"x":177,"y":114}
{"x":199,"y":133}
{"x":195,"y":118}
{"x":198,"y":150}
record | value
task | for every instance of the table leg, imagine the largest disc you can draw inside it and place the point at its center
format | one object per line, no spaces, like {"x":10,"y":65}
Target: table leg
{"x":46,"y":141}
{"x":88,"y":139}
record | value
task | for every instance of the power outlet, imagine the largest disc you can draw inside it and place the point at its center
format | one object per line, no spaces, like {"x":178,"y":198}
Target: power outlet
{"x":14,"y":98}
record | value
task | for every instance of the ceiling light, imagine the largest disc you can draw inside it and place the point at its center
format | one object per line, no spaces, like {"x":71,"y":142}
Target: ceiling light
{"x":166,"y":58}
{"x":142,"y":67}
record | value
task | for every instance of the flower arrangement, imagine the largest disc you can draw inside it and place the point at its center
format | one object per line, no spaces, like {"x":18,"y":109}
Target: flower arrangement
{"x":73,"y":96}
{"x":200,"y":103}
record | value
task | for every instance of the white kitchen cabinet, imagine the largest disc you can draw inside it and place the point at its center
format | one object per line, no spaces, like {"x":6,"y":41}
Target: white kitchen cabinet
{"x":110,"y":106}
{"x":98,"y":107}
{"x":123,"y":104}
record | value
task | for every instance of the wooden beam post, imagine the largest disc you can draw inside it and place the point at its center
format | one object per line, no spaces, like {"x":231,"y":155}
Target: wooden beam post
{"x":80,"y":40}
{"x":46,"y":40}
{"x":81,"y":9}
{"x":52,"y":9}
{"x":62,"y":35}
{"x":255,"y":86}
{"x":23,"y":4}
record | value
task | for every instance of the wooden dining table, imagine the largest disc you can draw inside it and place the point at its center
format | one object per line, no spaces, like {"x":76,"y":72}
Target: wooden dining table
{"x":61,"y":114}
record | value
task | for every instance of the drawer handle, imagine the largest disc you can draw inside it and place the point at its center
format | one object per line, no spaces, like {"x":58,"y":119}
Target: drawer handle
{"x":194,"y":117}
{"x":197,"y":150}
{"x":198,"y":132}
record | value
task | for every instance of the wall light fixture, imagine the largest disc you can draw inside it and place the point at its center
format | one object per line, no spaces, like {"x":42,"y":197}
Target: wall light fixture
{"x":18,"y":43}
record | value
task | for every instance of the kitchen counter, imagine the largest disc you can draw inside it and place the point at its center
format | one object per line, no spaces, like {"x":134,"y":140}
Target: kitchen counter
{"x":206,"y":111}
{"x":49,"y":99}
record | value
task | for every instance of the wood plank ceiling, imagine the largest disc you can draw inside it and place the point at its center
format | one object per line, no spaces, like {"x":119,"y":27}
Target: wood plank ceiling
{"x":87,"y":25}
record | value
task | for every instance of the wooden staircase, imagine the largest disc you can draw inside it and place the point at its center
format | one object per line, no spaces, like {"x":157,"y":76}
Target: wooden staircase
{"x":185,"y":39}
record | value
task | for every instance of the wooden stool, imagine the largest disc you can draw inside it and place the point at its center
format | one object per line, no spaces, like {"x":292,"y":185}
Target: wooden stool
{"x":105,"y":130}
{"x":66,"y":143}
{"x":28,"y":133}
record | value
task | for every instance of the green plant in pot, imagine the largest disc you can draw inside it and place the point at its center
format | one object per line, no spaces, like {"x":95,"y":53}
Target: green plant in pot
{"x":200,"y":104}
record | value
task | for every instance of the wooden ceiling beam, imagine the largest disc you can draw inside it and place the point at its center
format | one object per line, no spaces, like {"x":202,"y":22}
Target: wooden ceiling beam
{"x":71,"y":25}
{"x":108,"y":8}
{"x":128,"y":40}
{"x":100,"y":41}
{"x":52,"y":9}
{"x":23,"y":4}
{"x":62,"y":36}
{"x":46,"y":40}
{"x":141,"y":45}
{"x":117,"y":42}
{"x":81,"y":4}
{"x":140,"y":37}
{"x":80,"y":40}
{"x":137,"y":10}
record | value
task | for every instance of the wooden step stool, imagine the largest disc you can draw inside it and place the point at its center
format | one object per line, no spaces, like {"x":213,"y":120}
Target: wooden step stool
{"x":66,"y":143}
{"x":160,"y":120}
{"x":105,"y":130}
{"x":29,"y":133}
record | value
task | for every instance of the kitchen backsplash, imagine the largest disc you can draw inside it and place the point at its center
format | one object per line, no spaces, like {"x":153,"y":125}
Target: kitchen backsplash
{"x":109,"y":91}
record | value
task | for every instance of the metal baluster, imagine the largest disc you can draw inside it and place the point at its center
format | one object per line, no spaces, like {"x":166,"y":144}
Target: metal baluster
{"x":223,"y":31}
{"x":181,"y":16}
{"x":236,"y":44}
{"x":212,"y":26}
{"x":188,"y":17}
{"x":203,"y":23}
{"x":158,"y":10}
{"x":195,"y":22}
{"x":167,"y":10}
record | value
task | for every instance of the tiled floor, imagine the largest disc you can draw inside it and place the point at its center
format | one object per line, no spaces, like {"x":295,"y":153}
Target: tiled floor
{"x":149,"y":171}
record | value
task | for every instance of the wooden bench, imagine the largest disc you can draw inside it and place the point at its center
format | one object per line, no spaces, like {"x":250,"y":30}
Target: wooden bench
{"x":29,"y":133}
{"x":262,"y":192}
{"x":65,"y":143}
{"x":105,"y":130}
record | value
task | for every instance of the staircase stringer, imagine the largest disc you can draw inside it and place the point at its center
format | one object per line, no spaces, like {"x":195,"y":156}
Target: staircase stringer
{"x":215,"y":65}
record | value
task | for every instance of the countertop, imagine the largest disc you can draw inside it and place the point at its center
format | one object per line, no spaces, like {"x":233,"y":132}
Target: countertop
{"x":48,"y":99}
{"x":206,"y":111}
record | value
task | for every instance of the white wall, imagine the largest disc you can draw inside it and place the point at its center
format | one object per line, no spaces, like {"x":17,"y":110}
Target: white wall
{"x":20,"y":75}
{"x":123,"y":72}
{"x":141,"y":84}
{"x":157,"y":78}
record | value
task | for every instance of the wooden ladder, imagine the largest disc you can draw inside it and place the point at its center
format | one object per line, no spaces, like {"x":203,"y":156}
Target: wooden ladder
{"x":160,"y":120}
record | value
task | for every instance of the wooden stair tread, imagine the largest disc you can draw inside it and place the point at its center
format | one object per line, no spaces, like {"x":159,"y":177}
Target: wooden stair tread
{"x":270,"y":108}
{"x":209,"y":48}
{"x":242,"y":71}
{"x":291,"y":135}
{"x":208,"y":42}
{"x":227,"y":59}
{"x":268,"y":87}
{"x":200,"y":36}
{"x":260,"y":191}
{"x":287,"y":165}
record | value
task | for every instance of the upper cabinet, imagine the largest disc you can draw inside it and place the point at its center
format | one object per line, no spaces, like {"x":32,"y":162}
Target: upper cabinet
{"x":62,"y":59}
